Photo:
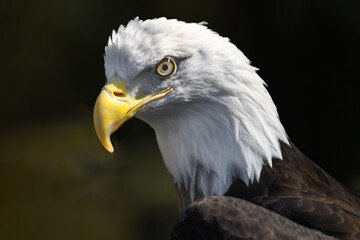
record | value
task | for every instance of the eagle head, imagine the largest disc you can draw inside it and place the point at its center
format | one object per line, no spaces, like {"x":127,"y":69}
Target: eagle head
{"x":213,"y":117}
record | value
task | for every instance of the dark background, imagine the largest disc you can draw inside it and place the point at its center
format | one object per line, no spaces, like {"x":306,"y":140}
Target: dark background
{"x":57,"y":182}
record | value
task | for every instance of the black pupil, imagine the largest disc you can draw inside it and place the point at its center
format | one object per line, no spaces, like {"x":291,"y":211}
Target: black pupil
{"x":164,"y":67}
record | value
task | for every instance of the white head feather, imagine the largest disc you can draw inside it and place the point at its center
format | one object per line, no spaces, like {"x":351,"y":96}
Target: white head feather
{"x":219,"y":123}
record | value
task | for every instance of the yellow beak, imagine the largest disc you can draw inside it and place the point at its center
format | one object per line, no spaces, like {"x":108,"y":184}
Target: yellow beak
{"x":113,"y":107}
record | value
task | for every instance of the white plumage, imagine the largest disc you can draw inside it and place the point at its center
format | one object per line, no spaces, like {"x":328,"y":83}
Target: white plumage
{"x":219,"y":118}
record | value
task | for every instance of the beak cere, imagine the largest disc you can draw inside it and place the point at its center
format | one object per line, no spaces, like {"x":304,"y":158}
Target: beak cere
{"x":114,"y":106}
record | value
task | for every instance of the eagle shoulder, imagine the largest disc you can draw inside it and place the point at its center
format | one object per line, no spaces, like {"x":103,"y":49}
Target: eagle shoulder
{"x":225,"y":218}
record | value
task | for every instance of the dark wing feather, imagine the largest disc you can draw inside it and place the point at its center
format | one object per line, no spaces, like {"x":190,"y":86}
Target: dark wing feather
{"x":225,"y":218}
{"x":298,"y":189}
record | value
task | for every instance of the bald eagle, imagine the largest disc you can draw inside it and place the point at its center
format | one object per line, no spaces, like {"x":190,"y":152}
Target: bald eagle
{"x":231,"y":161}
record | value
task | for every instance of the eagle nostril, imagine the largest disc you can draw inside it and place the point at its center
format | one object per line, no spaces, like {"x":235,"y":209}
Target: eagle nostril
{"x":119,"y":94}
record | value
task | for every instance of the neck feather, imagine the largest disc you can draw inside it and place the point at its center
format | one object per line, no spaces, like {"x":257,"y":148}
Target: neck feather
{"x":205,"y":145}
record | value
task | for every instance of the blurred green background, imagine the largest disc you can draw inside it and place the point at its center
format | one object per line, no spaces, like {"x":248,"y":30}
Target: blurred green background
{"x":57,"y":182}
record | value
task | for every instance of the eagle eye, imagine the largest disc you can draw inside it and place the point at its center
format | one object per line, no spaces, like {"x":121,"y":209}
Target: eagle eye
{"x":166,"y":67}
